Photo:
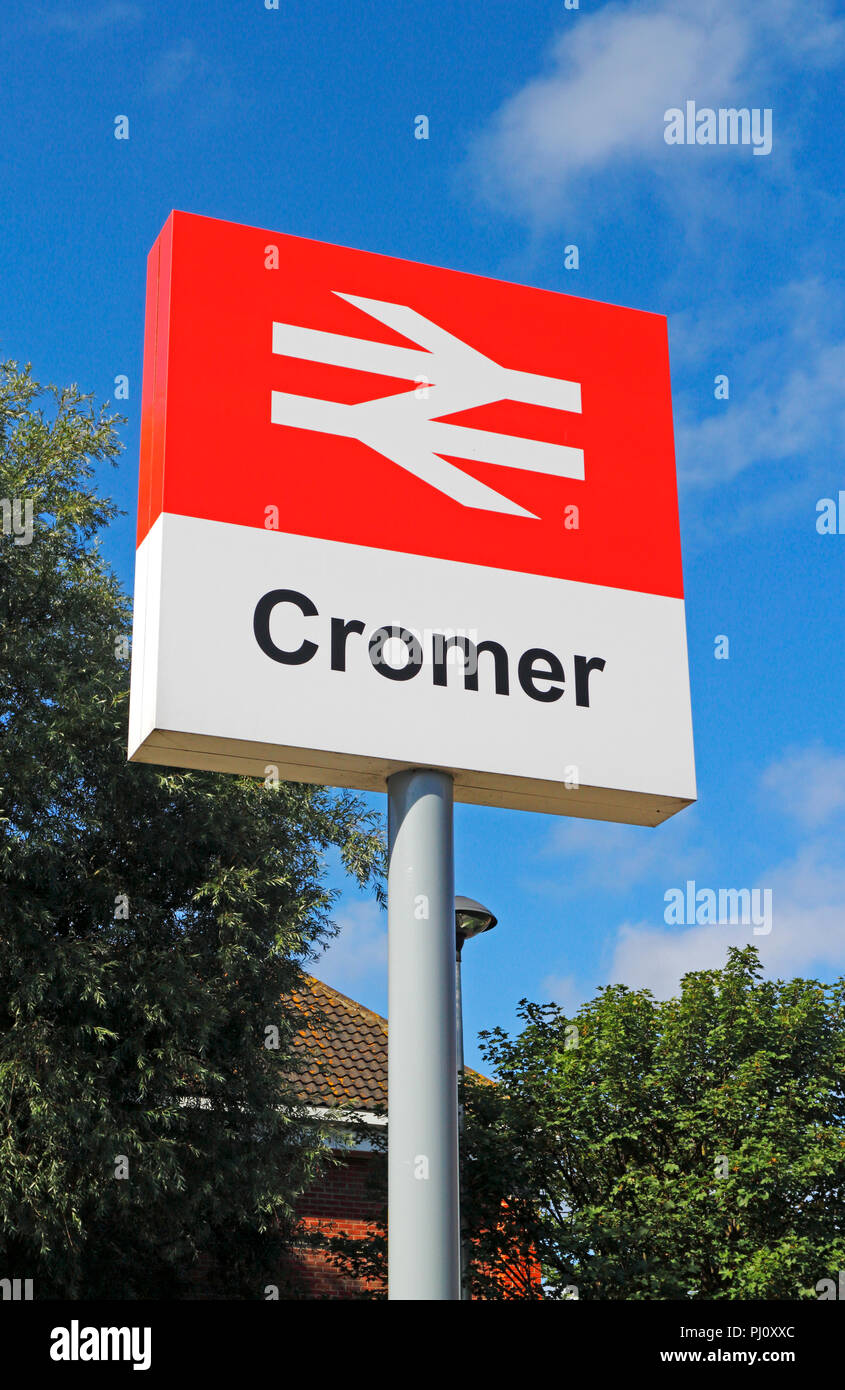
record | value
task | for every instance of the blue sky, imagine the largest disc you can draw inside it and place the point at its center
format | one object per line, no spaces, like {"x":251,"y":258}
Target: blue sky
{"x":546,"y":130}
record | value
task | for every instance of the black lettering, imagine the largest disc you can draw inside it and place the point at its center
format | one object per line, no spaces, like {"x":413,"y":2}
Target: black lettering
{"x":415,"y":655}
{"x":583,"y":668}
{"x":500,"y":663}
{"x":440,"y":648}
{"x":529,"y":672}
{"x":261,"y":626}
{"x":340,"y":632}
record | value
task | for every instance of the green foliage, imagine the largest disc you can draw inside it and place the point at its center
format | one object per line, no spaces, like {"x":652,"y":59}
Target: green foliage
{"x":687,"y":1149}
{"x":691,"y":1149}
{"x":152,"y":924}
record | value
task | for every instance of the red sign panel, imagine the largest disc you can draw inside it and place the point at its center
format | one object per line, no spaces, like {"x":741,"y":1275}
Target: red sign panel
{"x":400,"y":406}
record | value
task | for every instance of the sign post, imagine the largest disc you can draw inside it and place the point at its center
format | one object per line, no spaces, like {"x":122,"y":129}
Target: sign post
{"x":410,"y":530}
{"x":423,"y":1217}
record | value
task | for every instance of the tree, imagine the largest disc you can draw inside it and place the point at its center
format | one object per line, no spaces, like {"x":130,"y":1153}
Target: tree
{"x":152,"y":924}
{"x":692,"y":1148}
{"x":686,"y":1149}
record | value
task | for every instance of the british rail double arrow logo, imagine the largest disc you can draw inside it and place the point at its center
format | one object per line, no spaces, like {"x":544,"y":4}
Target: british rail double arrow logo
{"x":409,"y":428}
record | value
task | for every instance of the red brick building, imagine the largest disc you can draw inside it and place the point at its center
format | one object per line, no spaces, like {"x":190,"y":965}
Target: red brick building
{"x":344,"y":1085}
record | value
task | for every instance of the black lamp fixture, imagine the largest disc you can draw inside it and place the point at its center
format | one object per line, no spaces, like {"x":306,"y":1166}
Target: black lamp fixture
{"x":471,"y":919}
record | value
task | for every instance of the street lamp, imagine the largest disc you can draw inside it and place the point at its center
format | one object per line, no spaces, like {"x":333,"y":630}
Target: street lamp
{"x":471,"y":919}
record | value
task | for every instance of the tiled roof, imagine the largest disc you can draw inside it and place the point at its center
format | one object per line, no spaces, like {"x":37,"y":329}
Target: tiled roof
{"x":346,"y":1048}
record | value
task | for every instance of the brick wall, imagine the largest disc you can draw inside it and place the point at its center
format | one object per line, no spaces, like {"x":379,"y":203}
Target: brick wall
{"x":341,"y":1203}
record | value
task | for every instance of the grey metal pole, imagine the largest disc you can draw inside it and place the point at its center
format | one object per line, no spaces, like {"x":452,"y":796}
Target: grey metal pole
{"x":459,"y":1010}
{"x":459,"y":1019}
{"x":423,"y":1222}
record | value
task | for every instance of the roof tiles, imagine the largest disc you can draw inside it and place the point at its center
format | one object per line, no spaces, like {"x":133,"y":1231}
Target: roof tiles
{"x":345,"y":1047}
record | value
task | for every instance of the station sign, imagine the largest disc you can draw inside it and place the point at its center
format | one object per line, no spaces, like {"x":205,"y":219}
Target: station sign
{"x":394,"y":516}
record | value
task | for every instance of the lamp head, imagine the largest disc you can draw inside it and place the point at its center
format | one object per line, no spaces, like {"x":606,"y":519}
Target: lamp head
{"x":471,"y":919}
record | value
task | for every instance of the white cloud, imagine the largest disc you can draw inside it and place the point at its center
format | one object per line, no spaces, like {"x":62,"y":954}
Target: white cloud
{"x":810,"y":310}
{"x":173,"y":68}
{"x":655,"y":958}
{"x":201,"y":84}
{"x":562,"y":990}
{"x":356,"y":958}
{"x":612,"y":75}
{"x":634,"y":852}
{"x":785,"y":358}
{"x":807,"y":934}
{"x":89,"y":21}
{"x":796,"y":412}
{"x":808,"y":783}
